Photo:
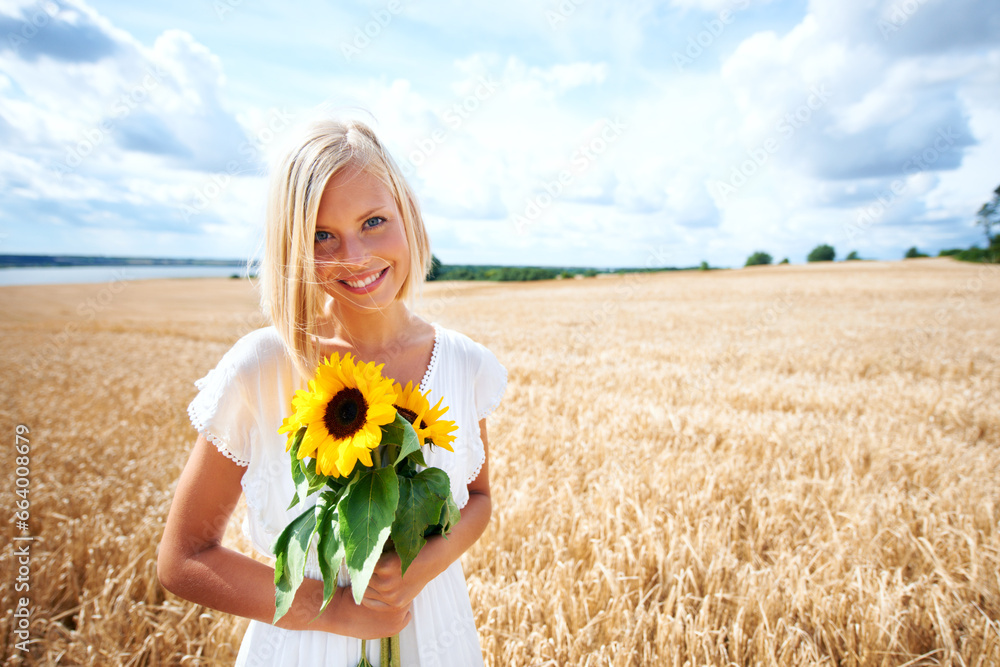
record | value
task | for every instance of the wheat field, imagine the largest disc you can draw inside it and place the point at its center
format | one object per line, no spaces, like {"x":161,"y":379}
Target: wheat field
{"x":784,"y":465}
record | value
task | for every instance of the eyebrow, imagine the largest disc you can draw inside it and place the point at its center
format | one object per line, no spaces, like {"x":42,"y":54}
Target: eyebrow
{"x":368,"y":214}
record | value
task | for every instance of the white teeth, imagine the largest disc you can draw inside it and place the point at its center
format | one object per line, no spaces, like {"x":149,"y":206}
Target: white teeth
{"x":358,"y":284}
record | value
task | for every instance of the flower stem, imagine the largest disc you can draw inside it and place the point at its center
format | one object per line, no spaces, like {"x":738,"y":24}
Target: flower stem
{"x":390,"y":656}
{"x":364,"y":656}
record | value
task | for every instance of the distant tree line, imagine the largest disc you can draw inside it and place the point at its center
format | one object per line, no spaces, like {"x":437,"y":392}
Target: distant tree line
{"x":498,"y":273}
{"x":441,"y":271}
{"x":25,"y":261}
{"x":988,"y":218}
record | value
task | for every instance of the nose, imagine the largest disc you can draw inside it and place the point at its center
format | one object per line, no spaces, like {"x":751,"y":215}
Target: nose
{"x":353,"y":251}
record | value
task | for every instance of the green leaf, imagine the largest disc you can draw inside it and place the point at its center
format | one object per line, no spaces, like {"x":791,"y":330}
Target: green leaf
{"x":316,"y":480}
{"x":450,"y":514}
{"x":330,"y":548}
{"x":438,"y":482}
{"x":307,"y":481}
{"x":406,"y":468}
{"x":289,"y":567}
{"x":401,"y":431}
{"x":297,"y":475}
{"x":419,"y":508}
{"x":338,"y":484}
{"x":411,"y":465}
{"x":366,"y":513}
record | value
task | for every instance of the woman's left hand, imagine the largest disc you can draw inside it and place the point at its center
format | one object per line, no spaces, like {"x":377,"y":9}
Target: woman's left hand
{"x":387,"y":586}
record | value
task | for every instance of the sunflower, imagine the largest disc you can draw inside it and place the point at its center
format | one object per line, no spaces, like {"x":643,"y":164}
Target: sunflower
{"x":426,"y":420}
{"x":343,"y":411}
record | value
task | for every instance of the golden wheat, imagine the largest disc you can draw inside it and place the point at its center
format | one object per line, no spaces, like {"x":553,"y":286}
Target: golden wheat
{"x":786,"y":465}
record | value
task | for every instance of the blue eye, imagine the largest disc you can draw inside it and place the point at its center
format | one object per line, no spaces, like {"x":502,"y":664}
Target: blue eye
{"x":322,"y":236}
{"x":371,"y":223}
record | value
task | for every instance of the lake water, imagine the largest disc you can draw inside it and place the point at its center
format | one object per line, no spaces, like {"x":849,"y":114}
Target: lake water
{"x":108,"y":274}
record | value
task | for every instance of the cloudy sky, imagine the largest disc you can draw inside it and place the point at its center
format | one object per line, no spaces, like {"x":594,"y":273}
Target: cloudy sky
{"x":550,"y":132}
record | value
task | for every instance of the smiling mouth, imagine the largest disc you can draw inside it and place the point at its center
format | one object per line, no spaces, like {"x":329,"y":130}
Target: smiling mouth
{"x":364,"y":282}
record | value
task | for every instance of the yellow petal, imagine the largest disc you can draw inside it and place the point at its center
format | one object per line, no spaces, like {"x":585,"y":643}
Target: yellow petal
{"x":326,"y":462}
{"x":346,"y":461}
{"x":314,"y":437}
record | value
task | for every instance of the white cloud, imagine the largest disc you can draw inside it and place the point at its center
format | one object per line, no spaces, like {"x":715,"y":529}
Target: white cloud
{"x":487,"y":108}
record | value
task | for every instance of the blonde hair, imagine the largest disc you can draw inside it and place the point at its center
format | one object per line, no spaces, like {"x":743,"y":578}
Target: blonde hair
{"x":289,"y":293}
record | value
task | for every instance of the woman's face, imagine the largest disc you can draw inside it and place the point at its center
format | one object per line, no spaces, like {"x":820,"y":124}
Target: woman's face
{"x":362,"y":257}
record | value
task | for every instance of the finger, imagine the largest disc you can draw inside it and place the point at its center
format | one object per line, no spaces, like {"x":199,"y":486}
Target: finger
{"x":382,"y":598}
{"x":388,"y":564}
{"x":386,"y":580}
{"x":374,"y":604}
{"x":382,"y":583}
{"x":382,"y":606}
{"x":375,"y":592}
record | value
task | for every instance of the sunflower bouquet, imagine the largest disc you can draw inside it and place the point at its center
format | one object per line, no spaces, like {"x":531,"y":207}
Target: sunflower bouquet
{"x":355,"y":437}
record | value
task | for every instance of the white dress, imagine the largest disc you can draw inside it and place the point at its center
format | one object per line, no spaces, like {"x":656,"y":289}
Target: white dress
{"x":239,"y":408}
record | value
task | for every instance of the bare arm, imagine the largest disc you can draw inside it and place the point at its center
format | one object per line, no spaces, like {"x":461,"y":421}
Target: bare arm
{"x":193,"y":564}
{"x":389,"y":589}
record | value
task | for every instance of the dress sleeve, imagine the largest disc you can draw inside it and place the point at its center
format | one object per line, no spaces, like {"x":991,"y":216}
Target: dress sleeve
{"x":490,"y":383}
{"x":222,"y":411}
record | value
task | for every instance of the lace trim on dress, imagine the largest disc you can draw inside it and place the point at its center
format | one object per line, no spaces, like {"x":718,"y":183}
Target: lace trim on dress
{"x":482,"y":460}
{"x":199,"y":423}
{"x":497,"y":397}
{"x":433,"y":362}
{"x":220,"y":444}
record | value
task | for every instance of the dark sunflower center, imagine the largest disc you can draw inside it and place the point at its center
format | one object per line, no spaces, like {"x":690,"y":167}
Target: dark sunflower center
{"x":410,"y":415}
{"x":345,"y":413}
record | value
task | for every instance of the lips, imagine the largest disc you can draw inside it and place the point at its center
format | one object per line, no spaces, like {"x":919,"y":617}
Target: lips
{"x":365,"y":283}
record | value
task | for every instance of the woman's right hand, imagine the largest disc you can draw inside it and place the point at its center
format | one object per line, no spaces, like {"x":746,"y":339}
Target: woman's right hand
{"x":193,"y":564}
{"x":364,"y":622}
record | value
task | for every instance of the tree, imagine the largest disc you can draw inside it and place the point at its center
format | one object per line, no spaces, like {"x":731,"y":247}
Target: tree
{"x":704,"y":266}
{"x":784,"y":261}
{"x":758,"y":258}
{"x":989,"y":215}
{"x":852,"y":255}
{"x":822,"y":253}
{"x":913,"y":252}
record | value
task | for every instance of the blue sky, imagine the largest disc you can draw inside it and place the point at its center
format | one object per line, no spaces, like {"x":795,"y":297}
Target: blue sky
{"x":561,"y":132}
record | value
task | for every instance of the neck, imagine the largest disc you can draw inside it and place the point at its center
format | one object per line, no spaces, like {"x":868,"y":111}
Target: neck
{"x":368,"y":332}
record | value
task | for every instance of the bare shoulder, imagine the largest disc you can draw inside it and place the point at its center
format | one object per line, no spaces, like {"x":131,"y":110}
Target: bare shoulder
{"x":422,"y":332}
